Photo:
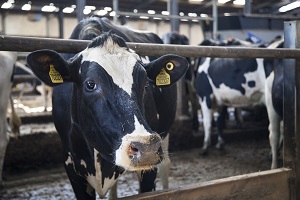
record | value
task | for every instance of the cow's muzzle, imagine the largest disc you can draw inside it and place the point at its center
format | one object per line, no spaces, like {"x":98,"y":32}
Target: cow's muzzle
{"x":143,"y":154}
{"x":139,"y":152}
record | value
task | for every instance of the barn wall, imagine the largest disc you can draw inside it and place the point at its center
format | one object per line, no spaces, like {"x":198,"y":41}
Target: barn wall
{"x":39,"y":25}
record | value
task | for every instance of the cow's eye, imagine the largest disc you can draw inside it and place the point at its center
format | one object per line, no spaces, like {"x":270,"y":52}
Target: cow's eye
{"x":91,"y":85}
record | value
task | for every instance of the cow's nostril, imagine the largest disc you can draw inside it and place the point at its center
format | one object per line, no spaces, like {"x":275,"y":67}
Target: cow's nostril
{"x":133,"y":149}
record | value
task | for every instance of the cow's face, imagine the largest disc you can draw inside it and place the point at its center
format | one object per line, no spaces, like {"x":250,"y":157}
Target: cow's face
{"x":109,"y":87}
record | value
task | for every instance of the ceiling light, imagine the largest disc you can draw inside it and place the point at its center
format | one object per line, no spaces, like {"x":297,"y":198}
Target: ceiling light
{"x":192,"y":14}
{"x":144,"y":17}
{"x":6,"y":5}
{"x":181,"y":14}
{"x":68,"y":10}
{"x":290,"y":6}
{"x":165,"y":12}
{"x":151,"y":12}
{"x":135,"y":10}
{"x":108,"y":9}
{"x":195,"y":0}
{"x":26,"y":7}
{"x":90,"y":7}
{"x":223,"y":1}
{"x":112,"y":14}
{"x":86,"y":11}
{"x":102,"y":12}
{"x":50,"y":8}
{"x":239,"y":2}
{"x":203,"y":15}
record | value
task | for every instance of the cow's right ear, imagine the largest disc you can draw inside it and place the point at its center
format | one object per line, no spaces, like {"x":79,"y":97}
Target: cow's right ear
{"x":49,"y":67}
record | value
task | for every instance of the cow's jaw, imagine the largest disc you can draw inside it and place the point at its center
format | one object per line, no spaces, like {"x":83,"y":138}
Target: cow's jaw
{"x":139,"y":150}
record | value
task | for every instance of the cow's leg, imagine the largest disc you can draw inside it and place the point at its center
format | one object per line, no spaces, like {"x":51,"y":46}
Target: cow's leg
{"x":113,"y":192}
{"x":164,"y":167}
{"x":4,"y":139}
{"x":221,"y":125}
{"x":194,"y":105}
{"x":147,"y":180}
{"x":274,"y":124}
{"x":82,"y":189}
{"x":207,"y":120}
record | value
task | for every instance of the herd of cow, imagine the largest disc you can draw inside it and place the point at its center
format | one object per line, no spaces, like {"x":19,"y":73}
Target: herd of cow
{"x":113,"y":109}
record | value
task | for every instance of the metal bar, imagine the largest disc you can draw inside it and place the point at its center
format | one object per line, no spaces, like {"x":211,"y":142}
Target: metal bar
{"x":215,"y":17}
{"x":116,"y":9}
{"x":28,"y":44}
{"x":289,"y":107}
{"x":173,"y":10}
{"x":80,"y":4}
{"x":130,"y":14}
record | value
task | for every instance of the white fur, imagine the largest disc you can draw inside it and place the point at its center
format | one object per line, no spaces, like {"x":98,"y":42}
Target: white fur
{"x":117,"y":62}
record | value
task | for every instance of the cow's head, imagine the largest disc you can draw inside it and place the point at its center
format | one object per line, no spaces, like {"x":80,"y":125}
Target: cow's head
{"x":109,"y":86}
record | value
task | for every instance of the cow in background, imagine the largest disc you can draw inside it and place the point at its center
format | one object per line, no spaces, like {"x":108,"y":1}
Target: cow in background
{"x":274,"y":99}
{"x":7,"y":61}
{"x":233,"y":82}
{"x":239,"y":82}
{"x":179,"y":39}
{"x":159,"y":107}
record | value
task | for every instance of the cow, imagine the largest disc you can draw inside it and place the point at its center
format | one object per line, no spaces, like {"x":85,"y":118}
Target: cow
{"x":7,"y":61}
{"x":239,"y":82}
{"x":161,"y":106}
{"x":98,"y":110}
{"x":234,"y":82}
{"x":176,"y":38}
{"x":274,"y":99}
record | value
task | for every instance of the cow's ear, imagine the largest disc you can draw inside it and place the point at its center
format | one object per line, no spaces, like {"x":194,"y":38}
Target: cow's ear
{"x":166,"y":70}
{"x":48,"y":66}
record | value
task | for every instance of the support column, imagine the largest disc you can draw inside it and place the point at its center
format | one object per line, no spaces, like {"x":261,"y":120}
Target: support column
{"x":215,"y":18}
{"x":80,"y":4}
{"x":291,"y":107}
{"x":173,"y":10}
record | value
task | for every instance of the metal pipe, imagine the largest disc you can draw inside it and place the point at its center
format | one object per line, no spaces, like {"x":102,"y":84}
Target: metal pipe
{"x":28,"y":44}
{"x":116,"y":9}
{"x":215,"y":19}
{"x":80,"y":4}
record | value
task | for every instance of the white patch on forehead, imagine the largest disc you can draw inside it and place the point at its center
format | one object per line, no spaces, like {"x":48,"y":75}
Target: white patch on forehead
{"x":116,"y":61}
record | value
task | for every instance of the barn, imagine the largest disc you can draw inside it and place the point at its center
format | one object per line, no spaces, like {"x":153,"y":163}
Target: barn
{"x":148,"y":127}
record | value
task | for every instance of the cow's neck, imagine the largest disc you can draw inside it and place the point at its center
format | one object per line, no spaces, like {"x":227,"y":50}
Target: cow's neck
{"x":106,"y":175}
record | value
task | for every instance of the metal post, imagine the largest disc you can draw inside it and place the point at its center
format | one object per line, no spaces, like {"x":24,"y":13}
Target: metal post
{"x":173,"y":10}
{"x":291,"y":107}
{"x":116,"y":9}
{"x":215,"y":19}
{"x":80,"y":4}
{"x":61,"y":22}
{"x":248,"y":7}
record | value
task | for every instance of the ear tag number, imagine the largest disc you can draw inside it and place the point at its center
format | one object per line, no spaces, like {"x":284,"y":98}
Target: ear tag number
{"x":55,"y":75}
{"x":163,"y":78}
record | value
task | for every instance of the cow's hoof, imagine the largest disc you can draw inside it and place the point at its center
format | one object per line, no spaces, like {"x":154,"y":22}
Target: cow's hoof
{"x":220,"y":146}
{"x":203,"y":152}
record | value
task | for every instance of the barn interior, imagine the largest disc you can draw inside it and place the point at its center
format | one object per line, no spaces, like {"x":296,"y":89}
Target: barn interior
{"x":37,"y":152}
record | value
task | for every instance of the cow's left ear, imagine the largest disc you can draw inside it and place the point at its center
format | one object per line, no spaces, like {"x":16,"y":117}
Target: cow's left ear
{"x":166,"y":70}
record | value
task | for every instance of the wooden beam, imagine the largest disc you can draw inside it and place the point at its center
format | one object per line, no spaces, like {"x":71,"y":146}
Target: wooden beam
{"x":266,"y":185}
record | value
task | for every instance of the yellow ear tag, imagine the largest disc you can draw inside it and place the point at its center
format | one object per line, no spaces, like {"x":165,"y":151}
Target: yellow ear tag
{"x":163,"y":78}
{"x":170,"y":66}
{"x":55,"y":75}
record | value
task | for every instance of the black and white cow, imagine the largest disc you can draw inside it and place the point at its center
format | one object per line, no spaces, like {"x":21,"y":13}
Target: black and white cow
{"x":274,"y":100}
{"x":232,"y":82}
{"x":7,"y":61}
{"x":161,"y":106}
{"x":238,"y":82}
{"x":176,"y":38}
{"x":99,"y":113}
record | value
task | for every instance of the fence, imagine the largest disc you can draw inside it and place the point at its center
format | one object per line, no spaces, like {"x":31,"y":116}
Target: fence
{"x":281,"y":183}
